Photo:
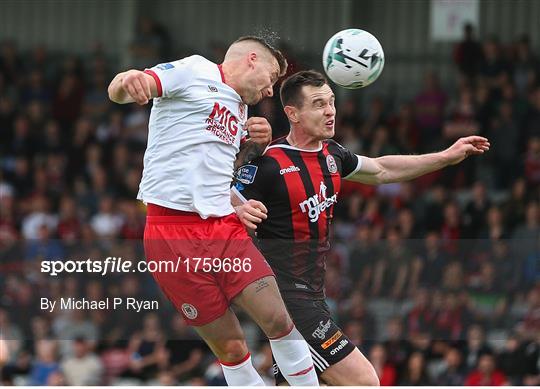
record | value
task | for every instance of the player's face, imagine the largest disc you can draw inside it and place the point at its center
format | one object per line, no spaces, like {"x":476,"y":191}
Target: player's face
{"x":317,"y":115}
{"x":260,"y":80}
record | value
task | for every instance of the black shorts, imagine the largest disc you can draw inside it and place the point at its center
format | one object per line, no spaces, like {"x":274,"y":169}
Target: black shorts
{"x":327,"y":342}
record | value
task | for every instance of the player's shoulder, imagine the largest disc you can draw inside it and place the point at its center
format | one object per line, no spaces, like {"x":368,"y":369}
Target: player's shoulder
{"x":275,"y":145}
{"x":261,"y":167}
{"x":199,"y":60}
{"x":265,"y":165}
{"x":330,"y":143}
{"x":335,"y":148}
{"x":193,"y":63}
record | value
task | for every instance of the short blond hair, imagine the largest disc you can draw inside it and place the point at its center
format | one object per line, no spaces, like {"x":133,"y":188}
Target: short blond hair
{"x":278,"y":55}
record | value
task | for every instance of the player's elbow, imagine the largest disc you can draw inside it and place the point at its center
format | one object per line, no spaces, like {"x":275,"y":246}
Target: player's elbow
{"x":381,"y":177}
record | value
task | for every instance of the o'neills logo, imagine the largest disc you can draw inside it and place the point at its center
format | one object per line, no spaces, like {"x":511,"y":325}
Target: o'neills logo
{"x":289,"y":169}
{"x":317,"y":203}
{"x":222,"y":123}
{"x":339,"y":347}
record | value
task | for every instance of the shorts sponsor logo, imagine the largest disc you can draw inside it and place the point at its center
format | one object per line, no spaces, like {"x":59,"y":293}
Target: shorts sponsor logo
{"x":321,"y":330}
{"x":246,"y":174}
{"x":331,"y":163}
{"x":332,"y":340}
{"x":339,"y":347}
{"x":275,"y":369}
{"x":290,"y":169}
{"x":212,"y":88}
{"x":300,"y":286}
{"x":190,"y":311}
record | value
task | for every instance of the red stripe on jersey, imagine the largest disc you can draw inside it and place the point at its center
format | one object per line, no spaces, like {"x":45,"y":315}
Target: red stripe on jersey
{"x":297,"y":194}
{"x":336,"y":180}
{"x":220,"y":67}
{"x":158,"y":81}
{"x":316,"y":175}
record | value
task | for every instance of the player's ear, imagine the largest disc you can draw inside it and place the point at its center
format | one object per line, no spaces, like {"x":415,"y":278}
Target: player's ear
{"x":292,"y":113}
{"x":252,"y":57}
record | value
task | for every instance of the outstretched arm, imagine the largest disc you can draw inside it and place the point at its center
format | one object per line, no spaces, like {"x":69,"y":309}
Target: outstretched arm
{"x":397,"y":168}
{"x":132,"y":86}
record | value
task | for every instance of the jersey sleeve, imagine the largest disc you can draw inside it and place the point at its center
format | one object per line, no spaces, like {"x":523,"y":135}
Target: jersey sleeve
{"x":350,"y":162}
{"x":172,"y":78}
{"x":251,"y":180}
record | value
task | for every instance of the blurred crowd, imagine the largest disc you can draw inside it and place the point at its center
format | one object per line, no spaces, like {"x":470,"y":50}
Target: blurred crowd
{"x":437,"y":281}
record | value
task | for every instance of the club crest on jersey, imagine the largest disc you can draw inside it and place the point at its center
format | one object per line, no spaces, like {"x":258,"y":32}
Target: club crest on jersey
{"x":242,"y":111}
{"x":317,"y":203}
{"x":331,"y":163}
{"x":222,"y":123}
{"x":246,"y":174}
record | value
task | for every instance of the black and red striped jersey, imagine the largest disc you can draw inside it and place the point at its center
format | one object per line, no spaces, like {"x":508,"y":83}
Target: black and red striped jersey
{"x":299,"y":188}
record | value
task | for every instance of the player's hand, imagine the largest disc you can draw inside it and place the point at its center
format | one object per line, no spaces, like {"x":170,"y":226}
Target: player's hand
{"x":259,"y":130}
{"x":470,"y":145}
{"x":251,"y":212}
{"x":137,"y":86}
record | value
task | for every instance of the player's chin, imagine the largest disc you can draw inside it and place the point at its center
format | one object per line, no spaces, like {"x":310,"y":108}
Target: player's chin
{"x":252,"y":100}
{"x":329,"y":131}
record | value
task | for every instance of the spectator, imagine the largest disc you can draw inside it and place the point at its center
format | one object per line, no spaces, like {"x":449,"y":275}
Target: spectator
{"x":475,"y":346}
{"x":106,"y":223}
{"x":396,"y":343}
{"x":385,"y":371}
{"x":486,"y":373}
{"x":430,"y":106}
{"x":393,"y":268}
{"x":45,"y":363}
{"x":185,"y":351}
{"x":147,"y":349}
{"x":84,"y":367}
{"x":416,"y":373}
{"x":421,"y":316}
{"x":452,"y":373}
{"x":476,"y":210}
{"x":532,"y":161}
{"x":504,"y":133}
{"x":514,"y":208}
{"x":468,"y":54}
{"x":429,"y":266}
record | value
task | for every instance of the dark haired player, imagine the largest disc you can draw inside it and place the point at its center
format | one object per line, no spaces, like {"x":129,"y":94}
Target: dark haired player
{"x":291,"y":191}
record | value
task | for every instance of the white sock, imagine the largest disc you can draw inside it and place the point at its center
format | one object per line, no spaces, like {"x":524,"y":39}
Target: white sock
{"x":241,"y":373}
{"x":293,"y":357}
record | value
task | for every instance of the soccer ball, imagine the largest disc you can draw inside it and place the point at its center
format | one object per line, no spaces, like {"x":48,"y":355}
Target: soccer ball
{"x":353,"y":58}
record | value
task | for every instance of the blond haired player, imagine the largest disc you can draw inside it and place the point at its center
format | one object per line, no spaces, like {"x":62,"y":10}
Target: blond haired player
{"x":198,"y":128}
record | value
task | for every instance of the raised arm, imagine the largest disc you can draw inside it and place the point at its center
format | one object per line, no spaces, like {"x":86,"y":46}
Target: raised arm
{"x":132,"y":86}
{"x":260,"y":134}
{"x":396,"y":168}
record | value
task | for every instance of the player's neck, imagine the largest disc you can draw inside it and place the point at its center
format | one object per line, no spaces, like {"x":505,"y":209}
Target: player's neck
{"x":302,"y":141}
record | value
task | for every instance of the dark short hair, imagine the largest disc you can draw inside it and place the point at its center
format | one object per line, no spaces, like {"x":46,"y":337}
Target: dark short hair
{"x":282,"y":62}
{"x":291,"y":89}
